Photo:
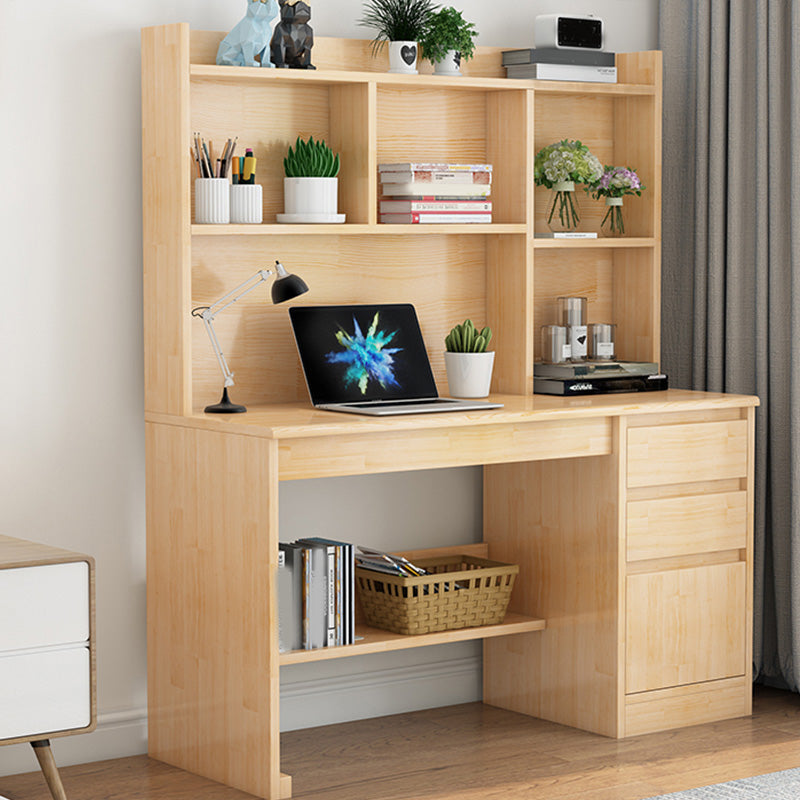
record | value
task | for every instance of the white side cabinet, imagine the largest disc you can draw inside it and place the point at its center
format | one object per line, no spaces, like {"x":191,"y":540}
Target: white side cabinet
{"x":47,"y":648}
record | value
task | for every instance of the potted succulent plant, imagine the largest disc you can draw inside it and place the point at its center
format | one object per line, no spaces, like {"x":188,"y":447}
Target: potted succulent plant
{"x":310,"y":188}
{"x":448,"y":38}
{"x":469,"y":364}
{"x":400,"y":23}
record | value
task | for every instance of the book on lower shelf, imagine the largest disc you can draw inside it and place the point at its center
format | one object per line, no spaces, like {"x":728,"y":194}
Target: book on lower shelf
{"x":564,"y":235}
{"x":436,"y":217}
{"x":428,"y":206}
{"x":435,"y":177}
{"x":442,"y":191}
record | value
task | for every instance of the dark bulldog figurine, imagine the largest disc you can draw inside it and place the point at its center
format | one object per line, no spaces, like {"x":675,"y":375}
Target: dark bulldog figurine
{"x":292,"y":38}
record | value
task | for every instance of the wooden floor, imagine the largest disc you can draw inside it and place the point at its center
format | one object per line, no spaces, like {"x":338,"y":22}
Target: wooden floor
{"x":471,"y":751}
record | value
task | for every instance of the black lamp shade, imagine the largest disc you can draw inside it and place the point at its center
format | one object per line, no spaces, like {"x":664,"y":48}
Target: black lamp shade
{"x":287,"y":287}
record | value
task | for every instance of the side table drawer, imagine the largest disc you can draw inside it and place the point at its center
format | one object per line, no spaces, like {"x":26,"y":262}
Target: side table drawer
{"x":44,"y":605}
{"x":45,"y":692}
{"x":698,"y":451}
{"x":677,"y":526}
{"x":685,"y":626}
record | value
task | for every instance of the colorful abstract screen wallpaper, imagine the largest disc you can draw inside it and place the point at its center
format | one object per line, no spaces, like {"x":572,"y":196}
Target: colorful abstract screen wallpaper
{"x":352,"y":354}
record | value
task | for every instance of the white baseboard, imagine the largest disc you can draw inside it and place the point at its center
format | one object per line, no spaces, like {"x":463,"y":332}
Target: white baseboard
{"x":311,"y":703}
{"x":304,"y":704}
{"x":118,"y":734}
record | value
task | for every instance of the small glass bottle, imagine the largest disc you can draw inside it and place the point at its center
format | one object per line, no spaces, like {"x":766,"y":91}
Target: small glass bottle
{"x":601,"y":341}
{"x":572,"y":314}
{"x":555,"y":344}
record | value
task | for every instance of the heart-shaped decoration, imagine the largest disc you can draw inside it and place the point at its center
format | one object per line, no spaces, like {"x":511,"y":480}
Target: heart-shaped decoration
{"x":408,"y":54}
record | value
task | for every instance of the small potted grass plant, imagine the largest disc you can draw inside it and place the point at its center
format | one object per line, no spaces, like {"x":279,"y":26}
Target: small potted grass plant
{"x":310,"y":188}
{"x":447,"y":39}
{"x":468,"y":362}
{"x":401,"y":23}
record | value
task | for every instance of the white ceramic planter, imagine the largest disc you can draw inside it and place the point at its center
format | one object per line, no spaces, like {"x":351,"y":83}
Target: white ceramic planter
{"x":310,"y":200}
{"x":212,"y":205}
{"x":469,"y":374}
{"x":246,"y":203}
{"x":449,"y":65}
{"x":403,"y":57}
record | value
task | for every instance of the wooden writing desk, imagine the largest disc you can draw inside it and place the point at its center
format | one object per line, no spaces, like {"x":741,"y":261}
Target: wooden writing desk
{"x":630,"y":517}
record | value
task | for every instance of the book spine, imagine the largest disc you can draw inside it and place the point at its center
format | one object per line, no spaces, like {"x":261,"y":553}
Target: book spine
{"x":409,"y":206}
{"x":427,"y":176}
{"x":444,"y":191}
{"x":565,"y":72}
{"x":331,"y":587}
{"x":306,"y":562}
{"x":430,"y":198}
{"x":410,"y":166}
{"x":423,"y":219}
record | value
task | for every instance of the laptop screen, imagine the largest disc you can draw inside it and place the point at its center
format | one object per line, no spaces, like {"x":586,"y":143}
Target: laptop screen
{"x":354,"y":354}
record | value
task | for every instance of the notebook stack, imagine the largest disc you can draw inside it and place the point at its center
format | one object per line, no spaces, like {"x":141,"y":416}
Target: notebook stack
{"x":549,"y":64}
{"x":423,"y":193}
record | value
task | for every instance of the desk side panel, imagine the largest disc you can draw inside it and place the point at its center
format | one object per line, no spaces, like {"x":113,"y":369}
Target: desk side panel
{"x":558,"y":521}
{"x":212,"y":528}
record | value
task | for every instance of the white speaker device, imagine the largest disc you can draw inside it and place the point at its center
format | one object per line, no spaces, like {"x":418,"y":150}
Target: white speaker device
{"x":557,"y":31}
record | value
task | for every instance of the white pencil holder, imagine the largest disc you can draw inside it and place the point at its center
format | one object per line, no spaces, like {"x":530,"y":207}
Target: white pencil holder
{"x":211,"y":201}
{"x":246,"y":203}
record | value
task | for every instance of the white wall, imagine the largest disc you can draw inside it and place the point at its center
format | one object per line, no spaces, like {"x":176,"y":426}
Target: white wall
{"x":72,"y":467}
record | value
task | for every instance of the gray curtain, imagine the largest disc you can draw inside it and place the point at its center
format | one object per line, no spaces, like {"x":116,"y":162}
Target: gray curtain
{"x":731,"y":262}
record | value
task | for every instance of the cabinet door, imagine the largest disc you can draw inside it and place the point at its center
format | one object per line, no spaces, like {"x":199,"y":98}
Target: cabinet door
{"x":685,"y":626}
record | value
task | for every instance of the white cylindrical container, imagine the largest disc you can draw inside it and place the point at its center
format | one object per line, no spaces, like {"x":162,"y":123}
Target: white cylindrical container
{"x":555,"y":344}
{"x":449,"y":65}
{"x":246,"y":205}
{"x":212,"y":201}
{"x":572,"y":313}
{"x":403,"y":57}
{"x":310,"y":195}
{"x":469,"y":374}
{"x":601,"y":341}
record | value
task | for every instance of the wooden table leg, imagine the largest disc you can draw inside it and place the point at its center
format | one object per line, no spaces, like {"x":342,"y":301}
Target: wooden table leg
{"x":47,"y":763}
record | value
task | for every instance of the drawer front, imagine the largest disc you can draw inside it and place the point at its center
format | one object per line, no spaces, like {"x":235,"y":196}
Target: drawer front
{"x":45,"y":692}
{"x":42,"y":606}
{"x":678,"y":526}
{"x":701,"y":451}
{"x":685,"y":626}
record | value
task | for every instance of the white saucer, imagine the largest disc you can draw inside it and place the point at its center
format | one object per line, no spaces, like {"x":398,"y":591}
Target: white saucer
{"x":299,"y":218}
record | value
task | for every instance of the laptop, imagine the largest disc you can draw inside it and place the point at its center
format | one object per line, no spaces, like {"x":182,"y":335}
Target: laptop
{"x":369,"y":359}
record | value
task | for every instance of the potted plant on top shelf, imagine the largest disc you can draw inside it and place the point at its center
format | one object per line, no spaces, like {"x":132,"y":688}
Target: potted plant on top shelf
{"x":310,"y":188}
{"x":401,"y":23}
{"x":448,"y":38}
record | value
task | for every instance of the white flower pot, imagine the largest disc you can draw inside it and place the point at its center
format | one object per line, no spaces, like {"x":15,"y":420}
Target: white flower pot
{"x":310,"y":200}
{"x":449,"y":65}
{"x":403,"y":57}
{"x":469,"y":374}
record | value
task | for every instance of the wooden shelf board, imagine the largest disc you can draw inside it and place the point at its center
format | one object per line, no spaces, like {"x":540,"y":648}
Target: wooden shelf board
{"x":354,"y":229}
{"x":585,"y":244}
{"x":335,"y":77}
{"x":378,"y":641}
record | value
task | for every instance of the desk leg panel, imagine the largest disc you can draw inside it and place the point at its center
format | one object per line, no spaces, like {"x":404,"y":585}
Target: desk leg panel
{"x":558,"y":521}
{"x":212,"y":530}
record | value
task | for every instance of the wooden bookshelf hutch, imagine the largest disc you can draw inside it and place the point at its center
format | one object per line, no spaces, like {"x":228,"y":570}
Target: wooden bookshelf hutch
{"x":630,"y":515}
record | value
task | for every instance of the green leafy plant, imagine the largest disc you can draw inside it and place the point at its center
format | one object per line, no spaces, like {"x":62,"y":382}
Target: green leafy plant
{"x":311,"y":160}
{"x":396,"y":20}
{"x":448,"y":30}
{"x":465,"y":338}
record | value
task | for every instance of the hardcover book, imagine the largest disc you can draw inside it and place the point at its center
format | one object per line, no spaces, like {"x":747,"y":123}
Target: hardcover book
{"x":443,"y":191}
{"x":434,"y":176}
{"x":563,"y":72}
{"x":550,"y":55}
{"x":410,"y":166}
{"x":435,"y":217}
{"x":409,"y":206}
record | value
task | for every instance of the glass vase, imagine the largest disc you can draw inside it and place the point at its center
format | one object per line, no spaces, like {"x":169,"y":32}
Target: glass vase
{"x":613,"y":223}
{"x":563,"y":211}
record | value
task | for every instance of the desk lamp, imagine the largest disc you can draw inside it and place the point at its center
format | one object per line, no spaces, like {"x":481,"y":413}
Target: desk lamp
{"x":285,"y":287}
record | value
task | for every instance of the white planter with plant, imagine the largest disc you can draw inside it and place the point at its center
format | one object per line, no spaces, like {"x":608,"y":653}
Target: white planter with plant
{"x":448,"y":38}
{"x":310,"y":188}
{"x":469,"y":365}
{"x":401,"y":23}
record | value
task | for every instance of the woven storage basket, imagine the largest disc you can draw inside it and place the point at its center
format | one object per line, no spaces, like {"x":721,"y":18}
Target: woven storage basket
{"x":461,"y":592}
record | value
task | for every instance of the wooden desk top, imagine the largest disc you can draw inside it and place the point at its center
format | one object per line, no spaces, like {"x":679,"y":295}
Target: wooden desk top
{"x":22,"y":553}
{"x":301,"y":420}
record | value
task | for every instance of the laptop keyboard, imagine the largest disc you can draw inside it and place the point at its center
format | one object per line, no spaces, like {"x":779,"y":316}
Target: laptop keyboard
{"x":400,"y":403}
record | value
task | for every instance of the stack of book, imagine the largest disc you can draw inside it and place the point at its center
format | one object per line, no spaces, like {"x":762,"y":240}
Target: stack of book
{"x":549,"y":64}
{"x":419,"y":193}
{"x":316,"y":594}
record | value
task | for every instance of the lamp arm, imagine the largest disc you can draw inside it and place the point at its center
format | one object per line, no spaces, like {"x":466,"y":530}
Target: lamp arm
{"x":209,"y":313}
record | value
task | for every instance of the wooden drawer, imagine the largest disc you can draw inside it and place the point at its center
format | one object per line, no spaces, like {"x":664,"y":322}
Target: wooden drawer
{"x":685,"y":626}
{"x":45,"y":692}
{"x":700,"y":451}
{"x":677,"y":526}
{"x":44,"y":605}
